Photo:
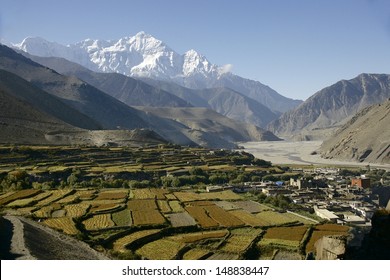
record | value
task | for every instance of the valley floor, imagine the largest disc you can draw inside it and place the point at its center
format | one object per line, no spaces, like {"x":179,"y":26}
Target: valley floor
{"x":298,"y":152}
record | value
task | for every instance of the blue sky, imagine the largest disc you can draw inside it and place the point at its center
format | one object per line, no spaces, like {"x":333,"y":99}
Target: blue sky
{"x":296,"y":47}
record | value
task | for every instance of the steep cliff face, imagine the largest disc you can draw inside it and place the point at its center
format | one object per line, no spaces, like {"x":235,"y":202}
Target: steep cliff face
{"x":365,"y":138}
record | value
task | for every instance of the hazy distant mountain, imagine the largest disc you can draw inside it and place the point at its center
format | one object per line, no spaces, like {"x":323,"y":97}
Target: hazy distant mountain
{"x":145,"y":56}
{"x":366,"y":137}
{"x":208,"y":128}
{"x":225,"y":101}
{"x":333,"y":105}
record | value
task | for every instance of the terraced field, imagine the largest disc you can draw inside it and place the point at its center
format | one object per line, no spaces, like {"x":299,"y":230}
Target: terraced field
{"x":159,"y":224}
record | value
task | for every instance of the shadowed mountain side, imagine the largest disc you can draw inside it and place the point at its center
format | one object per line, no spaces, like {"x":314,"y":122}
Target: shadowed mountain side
{"x":21,"y":123}
{"x":334,"y":105}
{"x":22,"y":90}
{"x":225,"y":101}
{"x":203,"y":121}
{"x":366,"y":137}
{"x":109,"y":112}
{"x":126,"y":89}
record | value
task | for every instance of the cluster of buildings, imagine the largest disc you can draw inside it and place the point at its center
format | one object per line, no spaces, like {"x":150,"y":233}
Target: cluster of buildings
{"x":331,"y":197}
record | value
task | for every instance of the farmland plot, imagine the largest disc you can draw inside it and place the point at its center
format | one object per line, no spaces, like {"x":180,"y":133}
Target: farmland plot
{"x":196,"y":254}
{"x":237,"y":244}
{"x":224,"y":218}
{"x":64,"y":224}
{"x":251,"y":206}
{"x":181,"y":219}
{"x":122,"y":218}
{"x":147,"y":217}
{"x":162,"y":249}
{"x":45,"y":212}
{"x":275,"y":218}
{"x":151,"y":193}
{"x":18,"y":195}
{"x":284,"y":236}
{"x":227,"y":205}
{"x":55,"y":195}
{"x":175,"y":206}
{"x":200,"y":236}
{"x":248,"y":218}
{"x":76,"y":210}
{"x":97,"y":222}
{"x":104,"y":208}
{"x":199,"y":214}
{"x":163,"y":205}
{"x":141,"y":204}
{"x":121,"y":243}
{"x":113,"y":194}
{"x":325,"y":230}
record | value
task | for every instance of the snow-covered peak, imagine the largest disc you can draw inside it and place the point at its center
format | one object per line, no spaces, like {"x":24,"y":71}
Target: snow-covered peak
{"x":140,"y":55}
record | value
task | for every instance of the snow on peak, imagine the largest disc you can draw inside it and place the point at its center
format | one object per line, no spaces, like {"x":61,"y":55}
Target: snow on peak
{"x":140,"y":55}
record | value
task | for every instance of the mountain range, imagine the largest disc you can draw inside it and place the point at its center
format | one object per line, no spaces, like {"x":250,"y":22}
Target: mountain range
{"x":328,"y":109}
{"x":144,"y":56}
{"x":86,"y":114}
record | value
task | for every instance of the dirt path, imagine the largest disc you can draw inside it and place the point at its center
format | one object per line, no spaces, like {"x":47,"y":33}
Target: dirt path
{"x":30,"y":240}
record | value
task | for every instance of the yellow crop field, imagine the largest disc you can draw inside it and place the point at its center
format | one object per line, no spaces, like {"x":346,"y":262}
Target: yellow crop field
{"x":237,"y":243}
{"x":55,"y":195}
{"x":286,"y":233}
{"x":199,"y":214}
{"x":223,"y":217}
{"x":141,"y":204}
{"x":163,"y":205}
{"x":18,"y":195}
{"x":97,"y":222}
{"x":64,"y":224}
{"x":196,"y":254}
{"x":69,"y":199}
{"x":170,"y":196}
{"x":273,"y":218}
{"x":147,"y":217}
{"x":86,"y":194}
{"x":76,"y":210}
{"x":162,"y":249}
{"x":175,"y":206}
{"x":100,"y":208}
{"x":45,"y":212}
{"x":121,"y":243}
{"x":199,"y":236}
{"x":150,"y":193}
{"x":191,"y":196}
{"x":248,"y":218}
{"x":117,"y":194}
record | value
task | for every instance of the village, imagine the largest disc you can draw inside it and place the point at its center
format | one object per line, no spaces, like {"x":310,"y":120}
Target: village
{"x":329,"y":195}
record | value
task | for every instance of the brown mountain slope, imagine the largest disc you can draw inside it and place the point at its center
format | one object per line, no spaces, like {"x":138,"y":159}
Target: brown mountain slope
{"x":332,"y":106}
{"x":365,"y":138}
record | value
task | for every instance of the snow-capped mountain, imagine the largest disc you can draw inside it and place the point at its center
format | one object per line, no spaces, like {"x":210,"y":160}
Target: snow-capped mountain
{"x":144,"y":56}
{"x":139,"y":56}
